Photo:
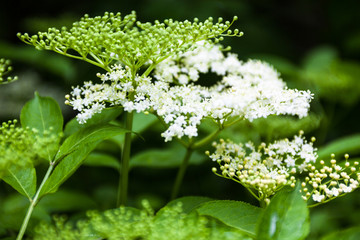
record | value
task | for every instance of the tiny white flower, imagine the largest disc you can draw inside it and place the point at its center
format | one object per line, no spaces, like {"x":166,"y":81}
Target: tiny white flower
{"x":317,"y":197}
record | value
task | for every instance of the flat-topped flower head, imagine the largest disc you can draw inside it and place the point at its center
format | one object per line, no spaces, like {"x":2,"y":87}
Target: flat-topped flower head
{"x":247,"y":90}
{"x":104,"y":39}
{"x":265,"y":169}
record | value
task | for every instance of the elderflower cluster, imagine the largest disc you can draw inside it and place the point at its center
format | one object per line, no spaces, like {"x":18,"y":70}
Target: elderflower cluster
{"x":20,"y":147}
{"x":113,"y":37}
{"x":327,"y":182}
{"x":5,"y":69}
{"x":266,"y":169}
{"x":115,"y":89}
{"x":247,"y":90}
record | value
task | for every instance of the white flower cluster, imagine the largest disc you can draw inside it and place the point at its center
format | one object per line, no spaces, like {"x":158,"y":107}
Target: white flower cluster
{"x":267,"y":168}
{"x":93,"y":98}
{"x":247,"y":90}
{"x":264,"y":169}
{"x":328,"y":182}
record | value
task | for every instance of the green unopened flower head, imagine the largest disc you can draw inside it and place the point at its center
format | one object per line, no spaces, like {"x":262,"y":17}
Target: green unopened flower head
{"x":113,"y":37}
{"x":21,"y":147}
{"x":5,"y":69}
{"x":129,"y":223}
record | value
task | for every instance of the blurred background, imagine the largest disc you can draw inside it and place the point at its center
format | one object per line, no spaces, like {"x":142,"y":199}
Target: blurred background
{"x":314,"y":45}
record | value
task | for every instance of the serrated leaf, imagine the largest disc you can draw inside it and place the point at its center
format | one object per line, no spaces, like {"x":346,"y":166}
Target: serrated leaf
{"x":164,"y":158}
{"x":189,"y":203}
{"x":349,"y":144}
{"x":73,"y":152}
{"x":105,"y":116}
{"x":66,"y":168}
{"x":102,"y":160}
{"x":22,"y":180}
{"x":239,"y":215}
{"x":43,"y":114}
{"x":286,"y":218}
{"x":87,"y":135}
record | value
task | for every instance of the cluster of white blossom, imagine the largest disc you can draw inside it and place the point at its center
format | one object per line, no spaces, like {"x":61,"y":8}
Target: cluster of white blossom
{"x":188,"y":66}
{"x":330,"y":180}
{"x":93,"y":98}
{"x":267,"y":168}
{"x":247,"y":90}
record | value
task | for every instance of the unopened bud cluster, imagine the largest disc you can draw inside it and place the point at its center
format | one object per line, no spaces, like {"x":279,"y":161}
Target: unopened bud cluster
{"x":104,"y":39}
{"x":21,"y":147}
{"x":5,"y":69}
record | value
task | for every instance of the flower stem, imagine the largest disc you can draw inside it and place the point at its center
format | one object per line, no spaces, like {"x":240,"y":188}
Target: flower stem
{"x":181,"y":173}
{"x":33,"y":203}
{"x":207,"y":139}
{"x":189,"y":150}
{"x":124,"y":176}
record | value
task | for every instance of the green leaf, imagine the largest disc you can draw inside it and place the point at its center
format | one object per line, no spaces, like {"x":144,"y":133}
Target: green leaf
{"x":66,"y":168}
{"x":102,"y":160}
{"x":189,"y":203}
{"x":141,"y":123}
{"x":239,"y":215}
{"x":93,"y":133}
{"x":42,"y":113}
{"x":347,"y":234}
{"x":105,"y":116}
{"x":22,"y":180}
{"x":164,"y":158}
{"x":349,"y":144}
{"x":73,"y":152}
{"x":286,"y":217}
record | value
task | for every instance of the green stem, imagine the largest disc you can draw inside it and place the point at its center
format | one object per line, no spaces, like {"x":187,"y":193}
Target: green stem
{"x":189,"y":150}
{"x":33,"y":203}
{"x":81,"y":58}
{"x":124,"y":176}
{"x":207,"y":139}
{"x":149,"y":69}
{"x":181,"y":173}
